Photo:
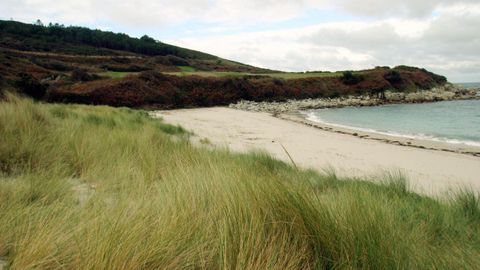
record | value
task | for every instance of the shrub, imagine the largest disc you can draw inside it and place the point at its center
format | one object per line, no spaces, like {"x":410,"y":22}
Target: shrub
{"x":406,"y":68}
{"x":163,"y":60}
{"x":437,"y":78}
{"x":349,"y":78}
{"x":122,"y":60}
{"x":393,"y":77}
{"x":129,"y":68}
{"x":152,"y":76}
{"x":30,"y":86}
{"x":177,"y":61}
{"x":82,"y":75}
{"x":53,"y":64}
{"x":278,"y":82}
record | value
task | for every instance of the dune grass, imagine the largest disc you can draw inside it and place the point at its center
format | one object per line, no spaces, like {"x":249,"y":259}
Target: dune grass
{"x":101,"y":188}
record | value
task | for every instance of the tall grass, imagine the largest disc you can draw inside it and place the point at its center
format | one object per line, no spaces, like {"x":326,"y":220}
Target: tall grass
{"x":101,"y":188}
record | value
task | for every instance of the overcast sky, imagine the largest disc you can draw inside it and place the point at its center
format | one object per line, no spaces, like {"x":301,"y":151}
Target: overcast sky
{"x":291,"y":35}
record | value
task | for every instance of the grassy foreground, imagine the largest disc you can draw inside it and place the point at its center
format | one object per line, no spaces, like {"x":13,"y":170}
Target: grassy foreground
{"x":101,"y":188}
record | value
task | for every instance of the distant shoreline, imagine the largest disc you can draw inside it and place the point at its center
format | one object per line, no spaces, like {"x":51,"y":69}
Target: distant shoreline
{"x":448,"y":92}
{"x":299,"y":117}
{"x":291,"y":111}
{"x":433,"y":170}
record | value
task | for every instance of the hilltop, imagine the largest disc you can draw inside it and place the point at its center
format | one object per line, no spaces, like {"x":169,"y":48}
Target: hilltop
{"x":77,"y":64}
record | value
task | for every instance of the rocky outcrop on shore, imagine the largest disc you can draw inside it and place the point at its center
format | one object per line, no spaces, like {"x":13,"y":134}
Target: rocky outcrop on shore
{"x":441,"y":93}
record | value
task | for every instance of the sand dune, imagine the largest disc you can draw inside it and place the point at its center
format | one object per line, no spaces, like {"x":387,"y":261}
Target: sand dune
{"x":429,"y":171}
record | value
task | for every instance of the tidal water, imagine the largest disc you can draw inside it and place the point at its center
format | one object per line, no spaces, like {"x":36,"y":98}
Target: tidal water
{"x":456,"y":122}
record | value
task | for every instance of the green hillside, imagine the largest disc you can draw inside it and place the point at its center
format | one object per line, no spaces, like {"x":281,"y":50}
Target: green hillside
{"x":82,"y":40}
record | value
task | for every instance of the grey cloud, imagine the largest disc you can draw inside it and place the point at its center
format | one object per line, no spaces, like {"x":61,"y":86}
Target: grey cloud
{"x":408,"y":8}
{"x":166,"y":12}
{"x":367,"y":39}
{"x":145,"y":13}
{"x":451,"y":44}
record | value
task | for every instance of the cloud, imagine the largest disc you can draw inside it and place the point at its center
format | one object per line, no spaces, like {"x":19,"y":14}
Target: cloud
{"x":157,"y":13}
{"x":447,"y":44}
{"x":405,"y":8}
{"x":144,"y":13}
{"x":438,"y":34}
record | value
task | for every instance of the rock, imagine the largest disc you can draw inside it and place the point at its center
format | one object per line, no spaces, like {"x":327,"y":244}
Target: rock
{"x":445,"y":92}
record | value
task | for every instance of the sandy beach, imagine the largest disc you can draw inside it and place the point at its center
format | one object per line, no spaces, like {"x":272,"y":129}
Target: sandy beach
{"x":432,"y":168}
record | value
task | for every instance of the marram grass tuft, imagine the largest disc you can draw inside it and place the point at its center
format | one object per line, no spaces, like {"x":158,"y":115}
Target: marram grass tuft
{"x":101,"y":188}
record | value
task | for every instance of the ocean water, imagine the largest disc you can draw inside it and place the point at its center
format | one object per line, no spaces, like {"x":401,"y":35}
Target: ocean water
{"x":470,"y":85}
{"x":456,"y":122}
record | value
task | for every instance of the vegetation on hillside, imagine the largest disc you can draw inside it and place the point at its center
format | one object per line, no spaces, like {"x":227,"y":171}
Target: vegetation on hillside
{"x":155,"y":90}
{"x":80,"y":65}
{"x":37,"y":37}
{"x":86,"y":187}
{"x":53,"y":52}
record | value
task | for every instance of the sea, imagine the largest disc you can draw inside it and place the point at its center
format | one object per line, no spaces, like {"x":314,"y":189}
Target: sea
{"x":455,"y":122}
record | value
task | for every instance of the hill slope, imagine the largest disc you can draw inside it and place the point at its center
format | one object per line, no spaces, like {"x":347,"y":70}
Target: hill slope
{"x":77,"y":64}
{"x":81,"y":40}
{"x":69,"y":47}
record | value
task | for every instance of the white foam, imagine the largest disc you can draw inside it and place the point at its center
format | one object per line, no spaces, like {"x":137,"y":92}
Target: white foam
{"x":310,"y":115}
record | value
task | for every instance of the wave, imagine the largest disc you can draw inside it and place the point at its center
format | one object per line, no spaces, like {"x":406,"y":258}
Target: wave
{"x":418,"y":136}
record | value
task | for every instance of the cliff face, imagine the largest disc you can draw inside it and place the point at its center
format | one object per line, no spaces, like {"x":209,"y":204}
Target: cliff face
{"x":156,"y":90}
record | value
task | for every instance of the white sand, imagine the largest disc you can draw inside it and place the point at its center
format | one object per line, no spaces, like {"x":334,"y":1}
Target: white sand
{"x":429,"y":171}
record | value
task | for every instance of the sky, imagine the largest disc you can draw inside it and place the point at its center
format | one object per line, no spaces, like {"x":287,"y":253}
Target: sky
{"x":291,"y":35}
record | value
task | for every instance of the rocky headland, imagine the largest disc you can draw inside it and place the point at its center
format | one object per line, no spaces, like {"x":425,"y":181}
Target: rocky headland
{"x":441,"y":93}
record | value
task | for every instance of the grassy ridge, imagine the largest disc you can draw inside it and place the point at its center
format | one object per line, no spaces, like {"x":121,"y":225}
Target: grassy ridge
{"x":152,"y":89}
{"x":278,"y":75}
{"x":115,"y":74}
{"x":95,"y":187}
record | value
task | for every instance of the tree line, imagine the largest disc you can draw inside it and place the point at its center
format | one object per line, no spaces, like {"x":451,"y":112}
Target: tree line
{"x":97,"y":38}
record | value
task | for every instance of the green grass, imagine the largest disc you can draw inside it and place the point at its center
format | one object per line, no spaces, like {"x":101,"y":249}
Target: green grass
{"x":186,"y":69}
{"x":86,"y":187}
{"x":116,"y":74}
{"x":209,"y":74}
{"x":279,"y":75}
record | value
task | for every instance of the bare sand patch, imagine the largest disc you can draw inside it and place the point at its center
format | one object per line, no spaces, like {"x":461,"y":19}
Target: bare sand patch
{"x":429,"y":171}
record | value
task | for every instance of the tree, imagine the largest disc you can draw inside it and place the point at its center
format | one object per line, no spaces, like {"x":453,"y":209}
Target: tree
{"x":148,"y":39}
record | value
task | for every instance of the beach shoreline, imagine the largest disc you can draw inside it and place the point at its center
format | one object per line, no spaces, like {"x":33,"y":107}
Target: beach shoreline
{"x":459,"y":148}
{"x":430,"y":167}
{"x":292,"y":110}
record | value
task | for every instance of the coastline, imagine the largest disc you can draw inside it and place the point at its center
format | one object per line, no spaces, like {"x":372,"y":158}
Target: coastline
{"x":291,"y":110}
{"x":301,"y":118}
{"x":428,"y":170}
{"x":447,"y":92}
